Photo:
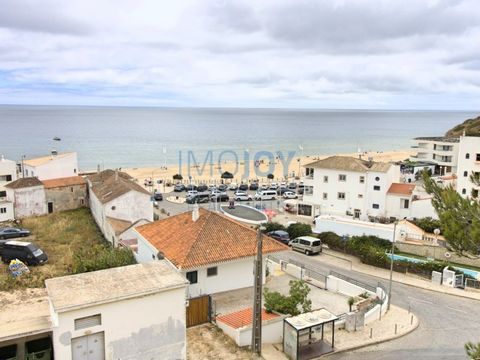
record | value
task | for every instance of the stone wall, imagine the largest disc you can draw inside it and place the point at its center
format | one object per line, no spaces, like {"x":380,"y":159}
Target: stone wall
{"x":67,"y":197}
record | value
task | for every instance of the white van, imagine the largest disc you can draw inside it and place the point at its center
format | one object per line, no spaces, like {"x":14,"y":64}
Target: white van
{"x":306,"y":244}
{"x":266,"y":195}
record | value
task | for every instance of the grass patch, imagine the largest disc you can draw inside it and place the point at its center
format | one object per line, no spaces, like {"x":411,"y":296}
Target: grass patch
{"x":65,"y":237}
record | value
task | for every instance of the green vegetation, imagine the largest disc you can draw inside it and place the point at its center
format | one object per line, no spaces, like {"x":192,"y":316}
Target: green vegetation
{"x":273,"y":226}
{"x":428,"y":224}
{"x":294,"y":230}
{"x":295,"y":303}
{"x":470,"y":126}
{"x":473,"y":350}
{"x":460,"y":217}
{"x":351,"y":301}
{"x":73,"y":243}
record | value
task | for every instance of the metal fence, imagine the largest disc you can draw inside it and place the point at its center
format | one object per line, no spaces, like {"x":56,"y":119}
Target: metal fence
{"x":354,"y":281}
{"x":472,"y":284}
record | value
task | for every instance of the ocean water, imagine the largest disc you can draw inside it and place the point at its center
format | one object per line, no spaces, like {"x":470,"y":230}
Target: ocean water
{"x":137,"y":137}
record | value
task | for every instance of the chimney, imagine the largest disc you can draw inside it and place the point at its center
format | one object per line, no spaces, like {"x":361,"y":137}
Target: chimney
{"x":195,"y":213}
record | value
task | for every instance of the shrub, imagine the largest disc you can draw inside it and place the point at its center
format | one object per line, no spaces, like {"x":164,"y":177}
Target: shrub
{"x":333,"y":241}
{"x":273,"y":226}
{"x":101,"y":257}
{"x":295,"y":303}
{"x":298,"y":229}
{"x":428,"y":224}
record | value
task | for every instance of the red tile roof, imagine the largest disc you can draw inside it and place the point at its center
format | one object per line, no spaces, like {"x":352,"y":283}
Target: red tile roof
{"x":213,"y":238}
{"x":243,"y":318}
{"x":64,"y":182}
{"x":401,"y":189}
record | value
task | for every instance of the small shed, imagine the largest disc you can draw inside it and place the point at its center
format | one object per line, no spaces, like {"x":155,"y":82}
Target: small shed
{"x":304,"y":335}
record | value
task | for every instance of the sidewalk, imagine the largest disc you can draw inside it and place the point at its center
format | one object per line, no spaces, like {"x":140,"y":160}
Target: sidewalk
{"x":380,"y":331}
{"x":350,"y":262}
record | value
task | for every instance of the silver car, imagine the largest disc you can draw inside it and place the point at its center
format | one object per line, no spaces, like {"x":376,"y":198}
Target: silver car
{"x":307,"y":244}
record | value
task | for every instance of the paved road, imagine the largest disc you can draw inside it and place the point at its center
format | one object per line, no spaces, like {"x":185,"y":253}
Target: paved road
{"x":446,"y":321}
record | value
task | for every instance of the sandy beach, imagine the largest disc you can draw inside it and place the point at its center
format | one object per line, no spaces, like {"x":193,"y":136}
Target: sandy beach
{"x":242,"y":171}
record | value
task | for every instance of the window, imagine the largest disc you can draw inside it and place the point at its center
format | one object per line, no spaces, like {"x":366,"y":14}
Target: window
{"x":307,"y":190}
{"x":464,"y":191}
{"x":405,"y":203}
{"x":362,"y":179}
{"x":377,"y":178}
{"x":26,"y":172}
{"x":360,"y":196}
{"x":71,"y":189}
{"x":192,"y":276}
{"x":304,"y":209}
{"x":213,"y":271}
{"x":474,"y":193}
{"x":3,"y":210}
{"x":477,"y":158}
{"x":82,"y":202}
{"x":89,"y":321}
{"x":304,"y":242}
{"x":74,"y":171}
{"x":341,"y":196}
{"x":465,"y":173}
{"x":3,"y":194}
{"x":5,"y":177}
{"x":376,"y":188}
{"x":325,"y":196}
{"x":375,"y":206}
{"x":325,"y":179}
{"x":342,"y":177}
{"x":467,"y":156}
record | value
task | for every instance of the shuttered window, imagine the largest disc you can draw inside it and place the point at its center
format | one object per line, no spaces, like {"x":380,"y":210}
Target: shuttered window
{"x":88,"y":321}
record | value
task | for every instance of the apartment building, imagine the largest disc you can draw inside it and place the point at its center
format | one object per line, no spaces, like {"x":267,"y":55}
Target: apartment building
{"x":438,"y":150}
{"x":8,"y":173}
{"x":468,"y":164}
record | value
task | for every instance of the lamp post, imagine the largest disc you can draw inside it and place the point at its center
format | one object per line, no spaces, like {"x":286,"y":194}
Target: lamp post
{"x":257,"y":297}
{"x":391,"y":265}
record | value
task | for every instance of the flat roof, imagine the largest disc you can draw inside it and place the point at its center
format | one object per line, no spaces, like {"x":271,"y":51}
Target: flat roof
{"x":439,"y":139}
{"x":24,"y":313}
{"x":312,"y":318}
{"x":46,"y":159}
{"x":99,"y":287}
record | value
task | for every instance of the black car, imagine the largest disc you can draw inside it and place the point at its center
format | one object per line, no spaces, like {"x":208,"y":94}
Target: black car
{"x":10,"y":233}
{"x":222,"y":187}
{"x":199,"y":198}
{"x":179,"y":188}
{"x":292,"y":186}
{"x":158,"y":196}
{"x":219,"y":198}
{"x":280,"y":235}
{"x":243,"y":187}
{"x":202,"y":188}
{"x":26,"y":252}
{"x":253,"y":186}
{"x":190,"y":187}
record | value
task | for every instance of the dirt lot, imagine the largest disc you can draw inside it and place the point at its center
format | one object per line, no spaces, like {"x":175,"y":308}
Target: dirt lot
{"x":59,"y":235}
{"x":207,"y":342}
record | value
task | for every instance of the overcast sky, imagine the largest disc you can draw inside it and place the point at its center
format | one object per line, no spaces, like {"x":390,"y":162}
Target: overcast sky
{"x":268,"y":53}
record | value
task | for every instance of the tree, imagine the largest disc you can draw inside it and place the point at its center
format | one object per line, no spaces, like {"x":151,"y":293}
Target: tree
{"x":298,"y":229}
{"x":270,"y":176}
{"x":351,"y":301}
{"x":295,"y":303}
{"x":273,"y":226}
{"x":428,"y":224}
{"x":460,"y":217}
{"x":473,"y":350}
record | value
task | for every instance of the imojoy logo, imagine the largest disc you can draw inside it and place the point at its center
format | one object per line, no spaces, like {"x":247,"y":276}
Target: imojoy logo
{"x":261,"y":163}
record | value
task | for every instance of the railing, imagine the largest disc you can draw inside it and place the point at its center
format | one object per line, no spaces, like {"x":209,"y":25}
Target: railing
{"x":472,"y":283}
{"x":354,"y":281}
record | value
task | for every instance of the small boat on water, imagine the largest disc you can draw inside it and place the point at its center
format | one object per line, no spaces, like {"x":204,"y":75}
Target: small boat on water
{"x":56,"y":138}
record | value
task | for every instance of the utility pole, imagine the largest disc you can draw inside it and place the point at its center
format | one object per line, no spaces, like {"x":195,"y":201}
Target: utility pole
{"x":257,"y":297}
{"x":391,"y":265}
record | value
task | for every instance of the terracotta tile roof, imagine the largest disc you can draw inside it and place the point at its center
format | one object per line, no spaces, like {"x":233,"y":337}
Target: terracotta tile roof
{"x":109,"y":184}
{"x":401,"y":189}
{"x":45,"y":159}
{"x":24,"y":183}
{"x":64,"y":182}
{"x":213,"y":238}
{"x":349,"y":163}
{"x":243,"y":318}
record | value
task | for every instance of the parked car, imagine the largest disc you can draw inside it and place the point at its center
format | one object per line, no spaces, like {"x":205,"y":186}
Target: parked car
{"x":253,"y":186}
{"x":190,"y":187}
{"x":273,"y":186}
{"x":10,"y":233}
{"x":26,"y":252}
{"x":148,"y":182}
{"x":222,"y":187}
{"x":179,"y":188}
{"x":158,"y":196}
{"x":280,"y":235}
{"x":199,"y":198}
{"x":233,"y":186}
{"x":306,"y":244}
{"x":242,"y":196}
{"x":191,"y":193}
{"x":243,"y":187}
{"x":281,"y":191}
{"x":266,"y":195}
{"x":265,"y":187}
{"x":289,"y":195}
{"x":292,"y":186}
{"x":202,"y":188}
{"x":219,"y":197}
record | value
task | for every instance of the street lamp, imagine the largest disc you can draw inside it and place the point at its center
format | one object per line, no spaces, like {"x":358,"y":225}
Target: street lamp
{"x":391,"y":265}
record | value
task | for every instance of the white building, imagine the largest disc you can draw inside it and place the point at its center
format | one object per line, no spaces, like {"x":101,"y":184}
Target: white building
{"x":52,"y":166}
{"x":214,"y":252}
{"x":468,"y":164}
{"x":347,"y":186}
{"x":116,"y":202}
{"x":441,"y":151}
{"x":28,"y":197}
{"x":8,"y":173}
{"x":409,"y":201}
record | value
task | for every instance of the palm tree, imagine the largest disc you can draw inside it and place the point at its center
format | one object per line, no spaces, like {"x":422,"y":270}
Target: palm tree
{"x":472,"y":350}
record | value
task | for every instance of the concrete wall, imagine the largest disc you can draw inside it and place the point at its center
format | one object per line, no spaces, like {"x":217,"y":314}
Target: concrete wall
{"x":272,"y":332}
{"x":395,"y":206}
{"x":149,"y":327}
{"x":468,"y":145}
{"x":6,"y":211}
{"x":67,"y":198}
{"x":59,"y":167}
{"x":344,"y":287}
{"x":29,"y":201}
{"x":353,"y":227}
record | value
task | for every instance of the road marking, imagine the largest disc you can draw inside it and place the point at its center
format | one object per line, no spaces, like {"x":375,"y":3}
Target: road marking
{"x":424,"y":301}
{"x":462,"y":311}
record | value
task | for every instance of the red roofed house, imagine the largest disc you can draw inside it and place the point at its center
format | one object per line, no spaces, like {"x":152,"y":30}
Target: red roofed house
{"x":65,"y":193}
{"x":214,"y":252}
{"x":408,"y":201}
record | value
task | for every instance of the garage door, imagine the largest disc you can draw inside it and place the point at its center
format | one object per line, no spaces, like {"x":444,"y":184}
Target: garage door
{"x":89,"y":347}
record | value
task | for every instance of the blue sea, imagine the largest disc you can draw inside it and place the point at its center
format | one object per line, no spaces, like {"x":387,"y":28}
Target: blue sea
{"x":138,"y":137}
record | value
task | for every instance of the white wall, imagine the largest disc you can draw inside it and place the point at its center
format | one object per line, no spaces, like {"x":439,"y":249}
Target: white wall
{"x":150,"y":327}
{"x":395,"y":205}
{"x":64,"y":165}
{"x":422,"y":208}
{"x":7,"y":168}
{"x":344,"y":287}
{"x":468,"y":145}
{"x":353,"y":227}
{"x":29,"y":201}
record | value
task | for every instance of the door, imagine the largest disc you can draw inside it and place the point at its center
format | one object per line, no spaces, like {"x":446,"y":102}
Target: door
{"x":198,"y":310}
{"x":89,"y":347}
{"x":356,"y":214}
{"x":50,"y":207}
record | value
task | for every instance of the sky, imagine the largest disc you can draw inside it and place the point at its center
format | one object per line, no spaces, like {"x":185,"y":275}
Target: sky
{"x":270,"y":53}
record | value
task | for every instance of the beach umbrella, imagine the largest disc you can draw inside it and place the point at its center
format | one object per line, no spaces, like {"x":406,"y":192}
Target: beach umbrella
{"x":270,"y":176}
{"x":227,"y":175}
{"x":177,"y":177}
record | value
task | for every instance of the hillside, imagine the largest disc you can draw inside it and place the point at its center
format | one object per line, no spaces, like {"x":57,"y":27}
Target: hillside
{"x":470,"y":126}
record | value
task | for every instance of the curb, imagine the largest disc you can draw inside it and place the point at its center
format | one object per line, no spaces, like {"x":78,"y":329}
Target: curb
{"x":352,"y":348}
